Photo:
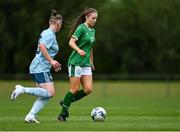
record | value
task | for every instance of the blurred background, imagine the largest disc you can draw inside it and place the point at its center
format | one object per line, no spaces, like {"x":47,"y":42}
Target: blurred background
{"x":135,"y":39}
{"x":136,"y":55}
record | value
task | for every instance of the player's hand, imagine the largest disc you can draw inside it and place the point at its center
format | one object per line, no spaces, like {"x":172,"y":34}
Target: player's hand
{"x":57,"y":68}
{"x":56,"y":65}
{"x":81,"y":52}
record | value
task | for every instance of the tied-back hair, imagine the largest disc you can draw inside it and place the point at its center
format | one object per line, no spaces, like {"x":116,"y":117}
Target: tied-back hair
{"x":54,"y":16}
{"x":80,"y":19}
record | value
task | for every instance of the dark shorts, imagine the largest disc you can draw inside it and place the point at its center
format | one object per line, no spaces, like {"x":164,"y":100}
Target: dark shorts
{"x":43,"y":77}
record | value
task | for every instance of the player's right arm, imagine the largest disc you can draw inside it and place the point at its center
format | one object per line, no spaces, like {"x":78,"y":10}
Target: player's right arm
{"x":72,"y":44}
{"x":55,"y":64}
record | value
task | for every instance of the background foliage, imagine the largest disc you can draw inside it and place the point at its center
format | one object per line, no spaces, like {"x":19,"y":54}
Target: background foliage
{"x":133,"y":36}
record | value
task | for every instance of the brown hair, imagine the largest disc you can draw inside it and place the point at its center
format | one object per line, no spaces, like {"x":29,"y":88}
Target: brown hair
{"x":54,"y":16}
{"x":80,"y":19}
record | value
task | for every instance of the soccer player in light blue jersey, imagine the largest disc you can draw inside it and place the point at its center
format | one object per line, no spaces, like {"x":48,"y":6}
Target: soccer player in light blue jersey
{"x":40,"y":68}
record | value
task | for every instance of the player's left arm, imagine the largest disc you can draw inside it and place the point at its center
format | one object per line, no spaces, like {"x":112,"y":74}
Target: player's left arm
{"x":92,"y":59}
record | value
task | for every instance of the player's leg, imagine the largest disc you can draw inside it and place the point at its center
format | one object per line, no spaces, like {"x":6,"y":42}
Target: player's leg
{"x":68,"y":99}
{"x":75,"y":94}
{"x":40,"y":78}
{"x":40,"y":102}
{"x":75,"y":80}
{"x":37,"y":106}
{"x":87,"y":84}
{"x":44,"y":89}
{"x":86,"y":81}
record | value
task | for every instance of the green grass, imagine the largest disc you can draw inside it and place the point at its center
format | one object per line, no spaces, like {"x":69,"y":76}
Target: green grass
{"x":130,"y":105}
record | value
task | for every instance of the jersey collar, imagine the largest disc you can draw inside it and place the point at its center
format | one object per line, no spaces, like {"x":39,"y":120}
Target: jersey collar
{"x":88,"y":27}
{"x":51,"y":30}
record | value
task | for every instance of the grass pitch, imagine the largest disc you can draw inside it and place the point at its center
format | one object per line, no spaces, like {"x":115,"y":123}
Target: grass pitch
{"x":130,"y":105}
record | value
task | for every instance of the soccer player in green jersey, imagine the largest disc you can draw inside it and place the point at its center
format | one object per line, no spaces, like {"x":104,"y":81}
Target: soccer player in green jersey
{"x":80,"y":63}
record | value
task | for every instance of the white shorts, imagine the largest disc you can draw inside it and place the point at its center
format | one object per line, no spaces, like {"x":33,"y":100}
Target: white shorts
{"x":78,"y":71}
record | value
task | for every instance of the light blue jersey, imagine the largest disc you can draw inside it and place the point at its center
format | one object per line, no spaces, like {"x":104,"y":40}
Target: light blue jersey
{"x":39,"y":64}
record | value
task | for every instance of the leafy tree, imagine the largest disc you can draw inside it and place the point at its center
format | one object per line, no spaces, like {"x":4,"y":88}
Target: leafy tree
{"x":132,"y":36}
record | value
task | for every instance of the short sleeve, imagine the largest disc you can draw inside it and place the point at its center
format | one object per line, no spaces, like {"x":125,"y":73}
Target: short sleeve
{"x":47,"y":40}
{"x":78,"y":32}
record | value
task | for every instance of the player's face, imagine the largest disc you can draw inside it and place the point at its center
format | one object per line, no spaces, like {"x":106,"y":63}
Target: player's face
{"x":92,"y":18}
{"x":58,"y":25}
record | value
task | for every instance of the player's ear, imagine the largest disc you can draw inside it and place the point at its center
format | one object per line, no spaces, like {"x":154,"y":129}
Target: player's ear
{"x":86,"y":17}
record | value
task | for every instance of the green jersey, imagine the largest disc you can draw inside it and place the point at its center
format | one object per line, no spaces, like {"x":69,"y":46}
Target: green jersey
{"x":85,"y":40}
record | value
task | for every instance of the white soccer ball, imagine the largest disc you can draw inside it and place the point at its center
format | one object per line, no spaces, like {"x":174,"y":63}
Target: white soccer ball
{"x":98,"y":114}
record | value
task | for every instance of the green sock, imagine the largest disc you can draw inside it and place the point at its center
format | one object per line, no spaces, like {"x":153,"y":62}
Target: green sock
{"x":67,"y":102}
{"x":80,"y":94}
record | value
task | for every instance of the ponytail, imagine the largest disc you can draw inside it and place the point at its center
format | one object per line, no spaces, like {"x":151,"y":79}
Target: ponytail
{"x":80,"y":19}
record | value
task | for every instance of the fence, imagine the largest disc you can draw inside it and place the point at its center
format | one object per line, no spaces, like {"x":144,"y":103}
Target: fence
{"x":167,"y":77}
{"x":147,"y":82}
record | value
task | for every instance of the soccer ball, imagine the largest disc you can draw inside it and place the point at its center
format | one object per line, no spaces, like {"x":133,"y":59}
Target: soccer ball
{"x":98,"y":114}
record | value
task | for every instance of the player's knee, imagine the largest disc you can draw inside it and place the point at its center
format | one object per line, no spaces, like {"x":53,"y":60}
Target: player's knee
{"x":73,"y":91}
{"x":88,"y":90}
{"x":51,"y":93}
